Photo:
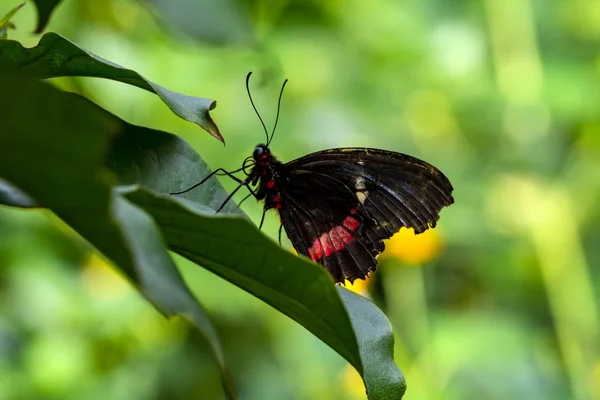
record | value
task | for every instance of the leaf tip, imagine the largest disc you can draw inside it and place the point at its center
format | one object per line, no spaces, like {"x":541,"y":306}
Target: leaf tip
{"x":214,"y":132}
{"x":210,"y":125}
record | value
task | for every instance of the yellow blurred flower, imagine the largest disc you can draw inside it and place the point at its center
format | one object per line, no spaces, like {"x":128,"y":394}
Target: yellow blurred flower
{"x":413,"y":249}
{"x":354,"y":384}
{"x":101,"y":280}
{"x":359,"y":286}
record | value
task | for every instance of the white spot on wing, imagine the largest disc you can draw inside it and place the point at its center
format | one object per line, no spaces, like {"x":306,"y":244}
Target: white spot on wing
{"x":361,"y":192}
{"x":360,"y":183}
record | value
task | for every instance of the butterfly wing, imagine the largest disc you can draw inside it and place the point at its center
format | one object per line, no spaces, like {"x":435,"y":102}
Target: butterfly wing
{"x":341,"y":204}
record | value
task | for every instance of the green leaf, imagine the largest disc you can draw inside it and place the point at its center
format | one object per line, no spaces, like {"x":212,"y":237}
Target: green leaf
{"x":44,"y":9}
{"x":58,"y":158}
{"x":165,"y":163}
{"x":300,"y":289}
{"x":56,"y":56}
{"x":376,"y":344}
{"x":5,"y":21}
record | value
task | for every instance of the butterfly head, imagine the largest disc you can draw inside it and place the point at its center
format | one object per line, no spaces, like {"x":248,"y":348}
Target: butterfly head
{"x":261,"y":153}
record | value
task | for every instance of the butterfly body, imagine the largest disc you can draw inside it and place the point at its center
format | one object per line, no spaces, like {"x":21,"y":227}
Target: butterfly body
{"x":337,"y":206}
{"x":267,"y":173}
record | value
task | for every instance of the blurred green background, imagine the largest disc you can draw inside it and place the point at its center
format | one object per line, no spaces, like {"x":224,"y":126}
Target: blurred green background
{"x":499,"y":302}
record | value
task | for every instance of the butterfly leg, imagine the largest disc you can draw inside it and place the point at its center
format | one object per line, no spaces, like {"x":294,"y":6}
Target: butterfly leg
{"x":280,"y":228}
{"x":215,"y":172}
{"x":221,"y":171}
{"x":245,"y":183}
{"x":262,"y":219}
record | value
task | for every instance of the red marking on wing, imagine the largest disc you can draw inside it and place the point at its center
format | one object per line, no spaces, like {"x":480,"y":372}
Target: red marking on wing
{"x":351,"y":224}
{"x":334,"y":240}
{"x":270,"y":184}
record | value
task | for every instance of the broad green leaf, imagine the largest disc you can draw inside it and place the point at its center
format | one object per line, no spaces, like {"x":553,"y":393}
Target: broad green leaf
{"x":5,"y":21}
{"x":56,"y":56}
{"x":58,"y":158}
{"x":44,"y":9}
{"x":165,"y":163}
{"x":300,"y":289}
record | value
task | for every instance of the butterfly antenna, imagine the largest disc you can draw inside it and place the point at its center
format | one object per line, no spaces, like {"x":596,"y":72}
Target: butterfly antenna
{"x":278,"y":108}
{"x":253,"y":106}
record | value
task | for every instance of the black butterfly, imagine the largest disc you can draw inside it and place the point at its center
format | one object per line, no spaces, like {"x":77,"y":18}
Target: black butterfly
{"x":337,"y":206}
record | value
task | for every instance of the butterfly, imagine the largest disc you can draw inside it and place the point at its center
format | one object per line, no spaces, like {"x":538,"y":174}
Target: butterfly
{"x":337,"y":206}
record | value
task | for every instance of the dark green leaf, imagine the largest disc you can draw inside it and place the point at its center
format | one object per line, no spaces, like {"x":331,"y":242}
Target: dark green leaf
{"x":5,"y":21}
{"x":166,"y":163}
{"x":44,"y":9}
{"x":300,"y":289}
{"x":293,"y":285}
{"x":56,"y":56}
{"x":58,"y":158}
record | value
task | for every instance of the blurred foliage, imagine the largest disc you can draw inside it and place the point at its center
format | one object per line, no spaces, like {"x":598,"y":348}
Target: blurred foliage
{"x":5,"y":21}
{"x":502,"y":95}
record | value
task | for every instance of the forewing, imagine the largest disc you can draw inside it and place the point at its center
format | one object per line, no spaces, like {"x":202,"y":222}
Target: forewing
{"x":396,"y":189}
